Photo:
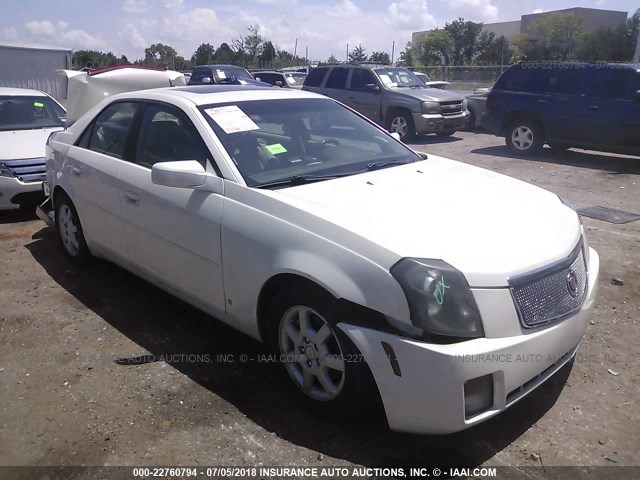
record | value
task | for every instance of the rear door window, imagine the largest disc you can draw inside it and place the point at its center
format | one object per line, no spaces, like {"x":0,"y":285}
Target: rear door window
{"x":516,"y":79}
{"x":112,"y":129}
{"x":338,"y":79}
{"x":361,"y":78}
{"x":563,"y":81}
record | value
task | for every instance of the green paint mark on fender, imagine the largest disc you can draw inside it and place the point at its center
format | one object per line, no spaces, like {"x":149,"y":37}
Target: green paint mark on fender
{"x":440,"y":290}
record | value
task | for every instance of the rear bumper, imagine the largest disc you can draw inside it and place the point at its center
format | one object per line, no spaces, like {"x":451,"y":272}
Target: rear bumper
{"x":425,"y":123}
{"x":492,"y":122}
{"x":429,"y":395}
{"x":13,"y":193}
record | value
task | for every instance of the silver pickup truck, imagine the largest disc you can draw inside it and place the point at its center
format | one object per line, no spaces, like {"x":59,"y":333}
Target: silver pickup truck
{"x":392,"y":97}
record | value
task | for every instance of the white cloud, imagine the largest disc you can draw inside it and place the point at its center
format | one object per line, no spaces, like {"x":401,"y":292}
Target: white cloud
{"x":130,"y":38}
{"x":136,"y":6}
{"x":45,"y":31}
{"x":276,"y":2}
{"x":344,"y":8}
{"x":173,"y":4}
{"x":410,"y":15}
{"x":538,"y":10}
{"x":482,"y":10}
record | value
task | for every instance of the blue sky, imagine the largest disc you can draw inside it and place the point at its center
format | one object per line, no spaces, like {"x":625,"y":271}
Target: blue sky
{"x":326,"y":27}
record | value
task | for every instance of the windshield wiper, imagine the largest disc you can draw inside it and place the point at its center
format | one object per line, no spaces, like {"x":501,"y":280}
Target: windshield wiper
{"x":379,"y":165}
{"x":299,"y":180}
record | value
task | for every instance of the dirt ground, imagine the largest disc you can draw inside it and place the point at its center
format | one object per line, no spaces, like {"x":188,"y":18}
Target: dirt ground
{"x":64,"y":401}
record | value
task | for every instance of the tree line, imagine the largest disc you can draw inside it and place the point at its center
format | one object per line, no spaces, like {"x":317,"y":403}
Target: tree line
{"x":556,"y":36}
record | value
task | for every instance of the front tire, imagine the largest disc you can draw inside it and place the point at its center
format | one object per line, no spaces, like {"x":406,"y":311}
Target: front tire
{"x":70,"y":231}
{"x":525,"y":137}
{"x":401,"y":122}
{"x":320,"y":365}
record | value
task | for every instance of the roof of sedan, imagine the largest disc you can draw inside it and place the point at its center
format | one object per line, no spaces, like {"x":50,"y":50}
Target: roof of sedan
{"x":19,"y":92}
{"x":207,"y":94}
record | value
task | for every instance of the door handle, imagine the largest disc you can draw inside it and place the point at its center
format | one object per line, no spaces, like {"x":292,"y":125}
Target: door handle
{"x":132,"y":197}
{"x":76,"y":171}
{"x":542,"y":101}
{"x":594,"y":107}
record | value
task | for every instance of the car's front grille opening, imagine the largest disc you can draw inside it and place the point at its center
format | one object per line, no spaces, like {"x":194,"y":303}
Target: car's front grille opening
{"x":538,"y":379}
{"x":28,"y":169}
{"x":451,"y":108}
{"x":553,"y":293}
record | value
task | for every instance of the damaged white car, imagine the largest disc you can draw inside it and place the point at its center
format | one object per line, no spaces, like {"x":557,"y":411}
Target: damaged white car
{"x":448,"y":290}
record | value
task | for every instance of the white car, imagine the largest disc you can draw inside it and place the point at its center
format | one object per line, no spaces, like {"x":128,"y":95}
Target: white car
{"x":449,"y":290}
{"x":27,"y":118}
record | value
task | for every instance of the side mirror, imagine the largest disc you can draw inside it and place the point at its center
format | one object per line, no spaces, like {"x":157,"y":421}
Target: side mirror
{"x":186,"y":174}
{"x":636,"y":97}
{"x":206,"y":80}
{"x":373,"y":87}
{"x":279,"y":83}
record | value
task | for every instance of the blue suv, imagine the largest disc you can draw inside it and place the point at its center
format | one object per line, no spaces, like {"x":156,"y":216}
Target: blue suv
{"x":584,"y":105}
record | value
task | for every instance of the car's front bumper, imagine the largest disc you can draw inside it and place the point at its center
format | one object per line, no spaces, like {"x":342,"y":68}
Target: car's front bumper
{"x":429,"y":394}
{"x":13,"y":193}
{"x":428,"y":123}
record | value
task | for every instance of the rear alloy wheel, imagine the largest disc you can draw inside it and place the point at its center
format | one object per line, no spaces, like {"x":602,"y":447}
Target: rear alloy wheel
{"x":320,"y":365}
{"x":401,"y":122}
{"x":70,"y":231}
{"x":525,"y":137}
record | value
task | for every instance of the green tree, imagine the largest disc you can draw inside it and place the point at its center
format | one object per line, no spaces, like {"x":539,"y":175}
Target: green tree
{"x":224,"y":54}
{"x":611,"y":44}
{"x":555,"y":36}
{"x":332,"y":60}
{"x":408,"y":56}
{"x":96,"y":59}
{"x":434,"y":48}
{"x":268,"y":54}
{"x":204,"y":55}
{"x":358,"y":54}
{"x":160,"y":55}
{"x":464,"y":38}
{"x":253,"y":43}
{"x":492,"y":50}
{"x":380,"y":57}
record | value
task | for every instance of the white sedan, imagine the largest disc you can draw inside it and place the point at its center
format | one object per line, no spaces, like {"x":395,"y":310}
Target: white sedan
{"x":448,"y":290}
{"x":27,"y":118}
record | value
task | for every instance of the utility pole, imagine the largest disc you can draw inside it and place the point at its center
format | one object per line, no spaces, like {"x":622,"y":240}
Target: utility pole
{"x":306,"y":54}
{"x":636,"y":57}
{"x":347,"y":59}
{"x":393,"y":51}
{"x":295,"y":49}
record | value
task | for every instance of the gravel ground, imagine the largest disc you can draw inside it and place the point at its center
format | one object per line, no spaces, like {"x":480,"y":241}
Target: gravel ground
{"x":64,"y":401}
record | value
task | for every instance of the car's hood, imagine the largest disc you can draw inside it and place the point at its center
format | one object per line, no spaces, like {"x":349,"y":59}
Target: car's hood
{"x":18,"y":144}
{"x":429,"y":93}
{"x":489,"y":226}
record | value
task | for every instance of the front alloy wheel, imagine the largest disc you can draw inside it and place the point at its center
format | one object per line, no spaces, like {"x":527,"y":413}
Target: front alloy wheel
{"x":312,"y":353}
{"x":402,"y":124}
{"x":318,"y":362}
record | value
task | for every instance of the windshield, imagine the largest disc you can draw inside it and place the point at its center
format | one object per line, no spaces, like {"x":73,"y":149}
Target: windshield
{"x":295,"y":78}
{"x":222,"y":73}
{"x":275,"y":140}
{"x":398,"y":77}
{"x":29,"y":113}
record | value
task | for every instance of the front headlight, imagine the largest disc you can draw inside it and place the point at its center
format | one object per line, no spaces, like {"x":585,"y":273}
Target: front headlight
{"x":430,"y":107}
{"x":464,"y":104}
{"x":439,"y":297}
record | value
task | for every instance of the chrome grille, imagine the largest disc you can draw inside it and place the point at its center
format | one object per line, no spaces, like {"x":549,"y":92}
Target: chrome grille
{"x":27,"y":169}
{"x":552,"y":293}
{"x":451,"y":108}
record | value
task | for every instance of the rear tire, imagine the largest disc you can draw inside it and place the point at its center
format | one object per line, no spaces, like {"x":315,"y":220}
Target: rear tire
{"x":524,"y":137}
{"x":445,"y":133}
{"x":320,"y":365}
{"x":70,"y":231}
{"x":401,"y":122}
